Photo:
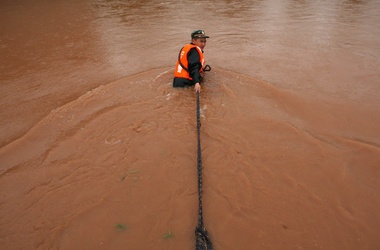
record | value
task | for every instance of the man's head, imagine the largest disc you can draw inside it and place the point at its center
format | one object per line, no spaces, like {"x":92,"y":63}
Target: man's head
{"x":198,"y":37}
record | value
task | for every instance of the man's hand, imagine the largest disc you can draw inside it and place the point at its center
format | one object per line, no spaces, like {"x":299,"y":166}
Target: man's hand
{"x":197,"y":87}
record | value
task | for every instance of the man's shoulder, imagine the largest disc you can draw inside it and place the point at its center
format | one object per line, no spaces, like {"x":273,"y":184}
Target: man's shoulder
{"x":190,"y":46}
{"x":194,"y":52}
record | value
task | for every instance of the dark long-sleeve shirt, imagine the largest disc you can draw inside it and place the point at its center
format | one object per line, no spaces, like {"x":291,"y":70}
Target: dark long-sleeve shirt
{"x":194,"y":65}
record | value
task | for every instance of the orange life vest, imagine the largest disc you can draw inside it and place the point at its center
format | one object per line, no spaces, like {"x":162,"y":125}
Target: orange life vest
{"x":181,"y":68}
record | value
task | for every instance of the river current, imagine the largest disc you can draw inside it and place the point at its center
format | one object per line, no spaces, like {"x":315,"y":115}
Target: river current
{"x":98,"y":151}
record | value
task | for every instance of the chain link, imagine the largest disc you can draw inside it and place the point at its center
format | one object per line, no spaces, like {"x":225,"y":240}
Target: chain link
{"x":203,"y":241}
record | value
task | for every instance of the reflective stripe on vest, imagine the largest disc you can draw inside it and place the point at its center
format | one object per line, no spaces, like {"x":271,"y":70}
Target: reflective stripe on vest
{"x":181,"y":68}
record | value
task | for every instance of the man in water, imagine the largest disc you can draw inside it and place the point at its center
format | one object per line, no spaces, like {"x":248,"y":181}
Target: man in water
{"x":189,"y":68}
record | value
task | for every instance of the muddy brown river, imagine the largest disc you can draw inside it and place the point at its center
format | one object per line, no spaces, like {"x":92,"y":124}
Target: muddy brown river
{"x":98,"y":151}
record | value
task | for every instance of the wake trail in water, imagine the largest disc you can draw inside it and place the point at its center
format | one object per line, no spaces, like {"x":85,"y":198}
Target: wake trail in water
{"x":130,"y":148}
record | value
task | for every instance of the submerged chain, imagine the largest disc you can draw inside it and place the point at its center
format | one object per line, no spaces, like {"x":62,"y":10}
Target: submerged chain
{"x":203,"y":241}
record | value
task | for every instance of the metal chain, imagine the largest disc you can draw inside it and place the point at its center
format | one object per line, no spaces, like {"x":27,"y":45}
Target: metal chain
{"x":203,"y":241}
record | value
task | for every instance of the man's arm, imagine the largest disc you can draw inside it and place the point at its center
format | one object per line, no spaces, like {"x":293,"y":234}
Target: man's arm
{"x":194,"y":65}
